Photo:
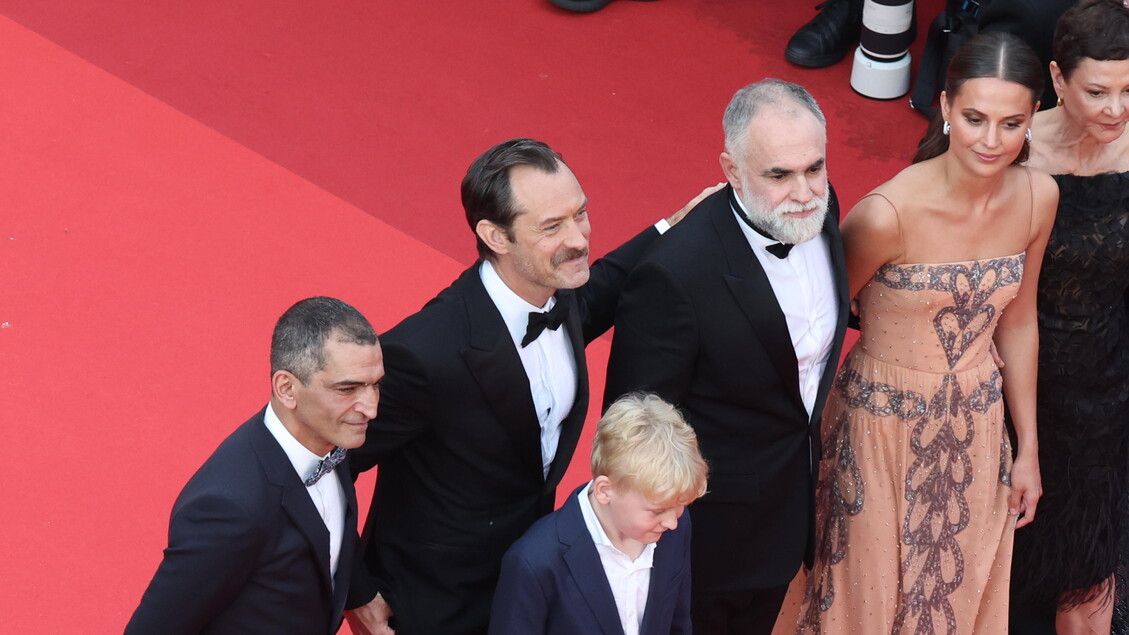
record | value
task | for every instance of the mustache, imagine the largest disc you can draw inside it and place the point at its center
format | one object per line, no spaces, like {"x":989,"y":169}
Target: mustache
{"x":792,"y":207}
{"x":568,"y":254}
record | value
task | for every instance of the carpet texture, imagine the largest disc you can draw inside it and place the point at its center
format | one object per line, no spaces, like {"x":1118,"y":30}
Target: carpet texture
{"x":174,"y":175}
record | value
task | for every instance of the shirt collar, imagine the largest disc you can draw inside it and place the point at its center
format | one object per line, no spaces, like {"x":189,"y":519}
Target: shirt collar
{"x":515,"y":311}
{"x":304,"y":461}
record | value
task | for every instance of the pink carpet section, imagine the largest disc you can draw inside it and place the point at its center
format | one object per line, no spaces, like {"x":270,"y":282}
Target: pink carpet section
{"x":174,"y":175}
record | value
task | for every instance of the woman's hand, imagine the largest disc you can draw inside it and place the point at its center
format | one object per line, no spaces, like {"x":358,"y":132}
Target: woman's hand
{"x":1026,"y":489}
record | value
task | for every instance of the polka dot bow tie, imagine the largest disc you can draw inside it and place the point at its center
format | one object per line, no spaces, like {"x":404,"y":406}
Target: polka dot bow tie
{"x":326,"y":465}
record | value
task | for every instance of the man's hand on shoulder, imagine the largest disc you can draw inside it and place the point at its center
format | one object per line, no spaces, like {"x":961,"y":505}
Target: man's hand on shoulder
{"x":371,"y":619}
{"x":680,"y":214}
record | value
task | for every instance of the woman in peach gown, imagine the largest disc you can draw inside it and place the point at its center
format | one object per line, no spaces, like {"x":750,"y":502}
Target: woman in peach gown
{"x":918,"y":495}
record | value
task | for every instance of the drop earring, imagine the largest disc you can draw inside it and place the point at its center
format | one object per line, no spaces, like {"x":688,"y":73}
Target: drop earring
{"x":946,"y":128}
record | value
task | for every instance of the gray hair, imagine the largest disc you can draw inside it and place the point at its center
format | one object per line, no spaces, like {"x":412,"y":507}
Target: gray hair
{"x":750,"y":99}
{"x":298,"y":343}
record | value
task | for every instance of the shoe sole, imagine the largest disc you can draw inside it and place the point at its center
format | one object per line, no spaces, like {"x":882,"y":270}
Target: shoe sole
{"x":822,"y":61}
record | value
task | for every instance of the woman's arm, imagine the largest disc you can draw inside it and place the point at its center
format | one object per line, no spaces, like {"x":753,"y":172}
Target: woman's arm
{"x":1017,"y":338}
{"x":871,"y":238}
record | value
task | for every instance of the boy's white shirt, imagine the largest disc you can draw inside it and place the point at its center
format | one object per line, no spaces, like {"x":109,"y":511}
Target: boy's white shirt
{"x":629,"y":579}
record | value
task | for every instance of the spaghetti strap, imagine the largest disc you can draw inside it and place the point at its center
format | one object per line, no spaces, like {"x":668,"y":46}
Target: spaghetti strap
{"x":897,"y":217}
{"x":1031,"y":195}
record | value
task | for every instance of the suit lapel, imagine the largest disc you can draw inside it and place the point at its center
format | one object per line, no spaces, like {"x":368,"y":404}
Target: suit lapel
{"x":753,"y":292}
{"x":584,"y":565}
{"x":496,"y":367}
{"x":296,"y":502}
{"x":573,"y":422}
{"x":666,"y":564}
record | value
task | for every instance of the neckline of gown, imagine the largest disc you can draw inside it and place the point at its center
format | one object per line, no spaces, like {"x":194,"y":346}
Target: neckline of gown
{"x":1099,"y":175}
{"x":954,"y":262}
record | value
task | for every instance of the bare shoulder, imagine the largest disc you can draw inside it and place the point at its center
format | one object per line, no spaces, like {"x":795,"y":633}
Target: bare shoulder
{"x":1044,"y":195}
{"x":878,"y":215}
{"x":1044,"y":190}
{"x":873,"y":228}
{"x":875,"y":212}
{"x":1043,"y":185}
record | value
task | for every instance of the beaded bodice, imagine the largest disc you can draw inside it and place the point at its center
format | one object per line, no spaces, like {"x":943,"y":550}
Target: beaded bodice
{"x":936,"y":317}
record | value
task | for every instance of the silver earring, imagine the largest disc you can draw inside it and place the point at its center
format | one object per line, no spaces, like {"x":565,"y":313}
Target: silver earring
{"x":946,"y":128}
{"x":1027,"y":135}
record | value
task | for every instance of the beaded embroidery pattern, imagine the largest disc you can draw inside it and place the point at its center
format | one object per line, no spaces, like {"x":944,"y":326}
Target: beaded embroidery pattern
{"x":943,"y":428}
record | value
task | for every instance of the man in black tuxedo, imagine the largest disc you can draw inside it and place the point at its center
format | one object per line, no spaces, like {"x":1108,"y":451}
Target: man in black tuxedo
{"x":263,"y":536}
{"x":737,"y":317}
{"x":486,"y":395}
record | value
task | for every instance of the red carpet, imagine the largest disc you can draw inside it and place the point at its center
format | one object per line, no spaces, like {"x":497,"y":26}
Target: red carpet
{"x":174,"y":175}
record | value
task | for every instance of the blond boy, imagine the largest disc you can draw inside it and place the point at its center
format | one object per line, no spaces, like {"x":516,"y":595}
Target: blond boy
{"x":615,"y":559}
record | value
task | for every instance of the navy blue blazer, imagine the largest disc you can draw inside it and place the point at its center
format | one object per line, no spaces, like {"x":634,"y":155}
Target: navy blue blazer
{"x":553,"y":582}
{"x":248,"y":551}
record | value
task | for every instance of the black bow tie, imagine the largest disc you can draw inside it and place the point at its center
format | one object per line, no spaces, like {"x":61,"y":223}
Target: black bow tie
{"x":326,"y":465}
{"x":541,"y":320}
{"x":780,"y":250}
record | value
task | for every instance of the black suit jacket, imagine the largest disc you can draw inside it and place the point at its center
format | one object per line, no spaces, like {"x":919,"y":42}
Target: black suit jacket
{"x":458,"y":443}
{"x":699,"y":324}
{"x":248,"y":551}
{"x":553,"y":582}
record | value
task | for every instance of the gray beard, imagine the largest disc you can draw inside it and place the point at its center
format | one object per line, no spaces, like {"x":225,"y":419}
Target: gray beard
{"x":774,"y":222}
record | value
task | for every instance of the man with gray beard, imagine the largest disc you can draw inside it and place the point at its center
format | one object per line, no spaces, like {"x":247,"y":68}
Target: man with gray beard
{"x":737,"y":317}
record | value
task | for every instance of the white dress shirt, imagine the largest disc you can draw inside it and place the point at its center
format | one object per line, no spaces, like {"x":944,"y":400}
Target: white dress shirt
{"x":548,"y":361}
{"x":629,"y":579}
{"x":327,"y":494}
{"x":804,"y":286}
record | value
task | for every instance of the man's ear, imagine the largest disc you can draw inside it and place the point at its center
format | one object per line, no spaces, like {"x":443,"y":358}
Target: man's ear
{"x":496,"y":238}
{"x":284,"y":387}
{"x":731,"y":170}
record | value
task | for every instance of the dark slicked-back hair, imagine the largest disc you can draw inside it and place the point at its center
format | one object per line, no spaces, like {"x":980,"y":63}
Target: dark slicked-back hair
{"x":486,"y":186}
{"x":1095,"y":29}
{"x":298,"y":343}
{"x":997,"y":55}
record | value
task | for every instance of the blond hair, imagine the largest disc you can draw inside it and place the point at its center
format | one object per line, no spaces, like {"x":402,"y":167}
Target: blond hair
{"x":643,"y":443}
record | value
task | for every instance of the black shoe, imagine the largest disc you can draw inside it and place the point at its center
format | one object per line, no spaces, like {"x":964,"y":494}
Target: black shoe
{"x":828,"y":36}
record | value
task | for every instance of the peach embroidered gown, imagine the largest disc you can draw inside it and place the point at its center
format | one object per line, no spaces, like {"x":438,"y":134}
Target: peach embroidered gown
{"x":912,"y":524}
